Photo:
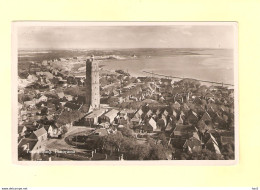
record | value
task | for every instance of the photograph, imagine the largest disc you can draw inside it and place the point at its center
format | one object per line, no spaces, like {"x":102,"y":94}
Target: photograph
{"x":125,"y":91}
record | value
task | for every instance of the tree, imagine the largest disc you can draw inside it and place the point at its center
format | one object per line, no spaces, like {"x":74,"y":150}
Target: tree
{"x":113,"y":142}
{"x":141,"y":151}
{"x":64,"y":118}
{"x":163,"y":140}
{"x":127,"y":132}
{"x":64,"y":130}
{"x":84,"y":109}
{"x":157,"y":152}
{"x":73,"y":91}
{"x":228,"y":151}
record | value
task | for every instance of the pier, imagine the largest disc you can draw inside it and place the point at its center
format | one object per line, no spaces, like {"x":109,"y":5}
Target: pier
{"x":176,"y":77}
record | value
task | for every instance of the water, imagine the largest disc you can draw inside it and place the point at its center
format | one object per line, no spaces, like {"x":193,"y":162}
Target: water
{"x":204,"y":64}
{"x":212,"y":65}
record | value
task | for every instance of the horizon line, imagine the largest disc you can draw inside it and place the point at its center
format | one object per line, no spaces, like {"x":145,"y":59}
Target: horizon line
{"x":121,"y":48}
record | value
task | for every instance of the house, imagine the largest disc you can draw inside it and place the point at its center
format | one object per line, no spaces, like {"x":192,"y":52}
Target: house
{"x":202,"y":126}
{"x":224,"y":109}
{"x":192,"y":117}
{"x":149,"y":113}
{"x":141,"y":79}
{"x":44,"y":62}
{"x":158,"y":112}
{"x":212,"y":88}
{"x":169,"y":126}
{"x":29,"y":124}
{"x":174,"y":113}
{"x":183,"y":130}
{"x":211,"y":100}
{"x":186,"y":107}
{"x":110,"y":116}
{"x":40,"y":134}
{"x":60,"y":95}
{"x":41,"y":104}
{"x":69,"y":97}
{"x":197,"y":101}
{"x":42,"y":99}
{"x":212,"y":144}
{"x":92,"y":118}
{"x":192,"y":145}
{"x":139,"y":113}
{"x":206,"y":117}
{"x":115,"y":100}
{"x":218,"y":120}
{"x":176,"y":105}
{"x":127,"y":113}
{"x":30,"y":149}
{"x":153,"y":124}
{"x":22,"y":130}
{"x":135,"y":121}
{"x":161,"y":124}
{"x":165,"y":113}
{"x":52,"y":130}
{"x":32,"y":78}
{"x":115,"y":93}
{"x":180,"y":121}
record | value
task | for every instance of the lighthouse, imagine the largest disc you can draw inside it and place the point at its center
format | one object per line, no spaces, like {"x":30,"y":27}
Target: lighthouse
{"x":92,"y":84}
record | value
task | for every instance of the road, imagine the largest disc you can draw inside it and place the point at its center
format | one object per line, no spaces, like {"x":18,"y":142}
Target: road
{"x":60,"y":144}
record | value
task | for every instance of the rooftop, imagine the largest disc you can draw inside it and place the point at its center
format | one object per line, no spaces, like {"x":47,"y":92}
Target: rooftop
{"x":40,"y":132}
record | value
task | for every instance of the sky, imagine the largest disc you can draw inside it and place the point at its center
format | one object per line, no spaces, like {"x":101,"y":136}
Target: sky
{"x":103,"y":37}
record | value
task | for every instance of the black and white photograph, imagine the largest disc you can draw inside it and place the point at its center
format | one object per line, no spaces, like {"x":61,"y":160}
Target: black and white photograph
{"x":125,"y":91}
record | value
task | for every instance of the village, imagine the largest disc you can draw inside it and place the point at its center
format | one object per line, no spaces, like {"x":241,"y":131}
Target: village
{"x":139,"y":118}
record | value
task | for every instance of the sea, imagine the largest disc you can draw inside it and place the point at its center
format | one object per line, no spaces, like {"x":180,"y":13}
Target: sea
{"x":215,"y":65}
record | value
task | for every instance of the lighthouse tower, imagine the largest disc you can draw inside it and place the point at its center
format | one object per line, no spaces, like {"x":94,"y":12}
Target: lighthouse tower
{"x":92,"y":83}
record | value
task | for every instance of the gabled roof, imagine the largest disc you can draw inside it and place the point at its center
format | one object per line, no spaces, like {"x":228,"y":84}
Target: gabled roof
{"x":176,"y":104}
{"x":212,"y":139}
{"x":40,"y":132}
{"x":193,"y":114}
{"x":20,"y":129}
{"x":161,"y":123}
{"x":111,"y":114}
{"x":191,"y":142}
{"x":184,"y":128}
{"x":27,"y":144}
{"x":180,"y":121}
{"x":206,"y":117}
{"x":153,"y":123}
{"x":43,"y":96}
{"x":174,"y":113}
{"x":169,"y":126}
{"x":186,"y":107}
{"x":60,"y":94}
{"x":149,"y":113}
{"x":96,"y":113}
{"x":47,"y":127}
{"x":196,"y":135}
{"x":166,"y":113}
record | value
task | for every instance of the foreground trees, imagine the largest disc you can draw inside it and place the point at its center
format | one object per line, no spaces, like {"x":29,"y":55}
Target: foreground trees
{"x":125,"y":143}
